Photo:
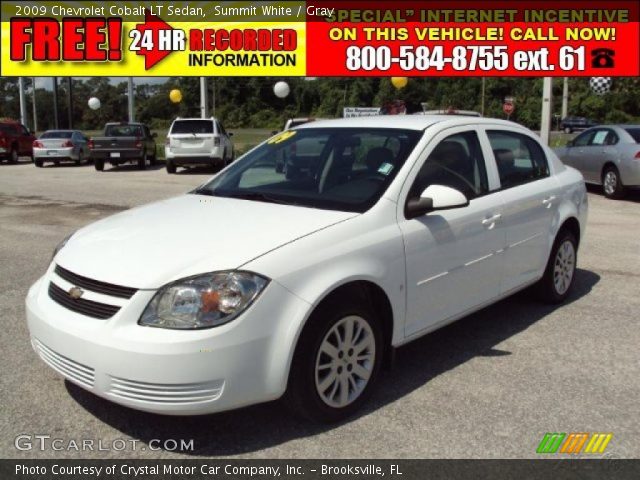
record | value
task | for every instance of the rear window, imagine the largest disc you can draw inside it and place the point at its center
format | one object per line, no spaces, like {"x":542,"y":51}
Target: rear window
{"x":56,"y":135}
{"x":635,"y":133}
{"x":123,"y":131}
{"x":192,"y":126}
{"x":7,"y":129}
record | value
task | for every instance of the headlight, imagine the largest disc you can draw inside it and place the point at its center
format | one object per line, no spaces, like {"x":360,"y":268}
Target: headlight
{"x":203,"y":301}
{"x":61,"y":245}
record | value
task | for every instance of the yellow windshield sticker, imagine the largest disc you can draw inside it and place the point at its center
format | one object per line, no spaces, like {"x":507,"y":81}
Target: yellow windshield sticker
{"x":282,"y":137}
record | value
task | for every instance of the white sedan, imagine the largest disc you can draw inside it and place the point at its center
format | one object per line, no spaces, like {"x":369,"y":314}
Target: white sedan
{"x":259,"y":285}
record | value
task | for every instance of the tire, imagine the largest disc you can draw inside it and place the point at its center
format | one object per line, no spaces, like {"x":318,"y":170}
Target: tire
{"x":39,"y":163}
{"x":142,"y":162}
{"x":555,"y":285}
{"x":153,"y":160}
{"x":568,"y":130}
{"x":611,"y":184}
{"x":79,"y":160}
{"x":99,"y":165}
{"x":171,"y":167}
{"x":13,"y":155}
{"x":344,"y":390}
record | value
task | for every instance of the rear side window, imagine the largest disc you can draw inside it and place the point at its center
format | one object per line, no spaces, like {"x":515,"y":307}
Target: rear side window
{"x":635,"y":133}
{"x":456,"y":162}
{"x":520,"y":159}
{"x":192,"y":126}
{"x":604,"y":137}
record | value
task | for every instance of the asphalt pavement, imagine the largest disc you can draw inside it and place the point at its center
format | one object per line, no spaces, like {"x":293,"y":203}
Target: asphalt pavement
{"x":488,"y":386}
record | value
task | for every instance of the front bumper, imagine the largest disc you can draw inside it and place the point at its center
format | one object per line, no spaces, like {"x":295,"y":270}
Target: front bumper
{"x":168,"y":371}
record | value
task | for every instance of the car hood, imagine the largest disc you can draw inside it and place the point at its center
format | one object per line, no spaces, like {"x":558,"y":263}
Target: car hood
{"x":149,"y":246}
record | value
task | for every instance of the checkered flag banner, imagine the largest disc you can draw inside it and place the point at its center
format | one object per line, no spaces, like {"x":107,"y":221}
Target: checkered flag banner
{"x":600,"y":85}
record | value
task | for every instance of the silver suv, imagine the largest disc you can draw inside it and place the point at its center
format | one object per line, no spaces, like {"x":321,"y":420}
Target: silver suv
{"x":197,"y":141}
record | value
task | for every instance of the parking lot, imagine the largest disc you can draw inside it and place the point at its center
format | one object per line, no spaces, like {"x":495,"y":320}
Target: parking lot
{"x":488,"y":386}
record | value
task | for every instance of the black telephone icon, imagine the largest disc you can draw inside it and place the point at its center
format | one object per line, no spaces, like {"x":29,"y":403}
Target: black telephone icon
{"x":602,"y":58}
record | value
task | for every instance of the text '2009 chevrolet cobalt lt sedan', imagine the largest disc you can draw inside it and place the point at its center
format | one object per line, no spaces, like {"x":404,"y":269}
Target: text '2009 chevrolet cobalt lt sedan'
{"x":263,"y":283}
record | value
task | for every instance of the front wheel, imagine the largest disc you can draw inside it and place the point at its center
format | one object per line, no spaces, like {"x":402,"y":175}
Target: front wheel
{"x":555,"y":285}
{"x":13,"y":156}
{"x":337,"y":361}
{"x":99,"y":165}
{"x":39,"y":163}
{"x":79,"y":160}
{"x":611,"y":183}
{"x":171,"y":167}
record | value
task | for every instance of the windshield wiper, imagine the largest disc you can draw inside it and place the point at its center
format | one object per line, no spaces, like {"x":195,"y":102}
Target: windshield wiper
{"x":260,"y":197}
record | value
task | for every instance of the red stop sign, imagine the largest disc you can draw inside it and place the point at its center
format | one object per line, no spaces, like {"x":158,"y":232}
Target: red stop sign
{"x":508,"y":108}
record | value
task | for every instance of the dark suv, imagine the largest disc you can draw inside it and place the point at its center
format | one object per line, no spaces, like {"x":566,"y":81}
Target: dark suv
{"x":15,"y":140}
{"x":572,"y":124}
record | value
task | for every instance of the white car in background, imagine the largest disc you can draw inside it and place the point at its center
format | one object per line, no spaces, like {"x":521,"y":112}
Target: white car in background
{"x":258,"y":285}
{"x":197,"y":141}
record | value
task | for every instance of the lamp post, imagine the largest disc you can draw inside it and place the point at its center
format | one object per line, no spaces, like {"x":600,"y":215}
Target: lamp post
{"x":203,"y":97}
{"x":130,"y":100}
{"x":545,"y":117}
{"x":23,"y":103}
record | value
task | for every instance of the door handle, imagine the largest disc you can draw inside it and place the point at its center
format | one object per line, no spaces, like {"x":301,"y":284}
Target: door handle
{"x":490,"y":222}
{"x":547,"y":202}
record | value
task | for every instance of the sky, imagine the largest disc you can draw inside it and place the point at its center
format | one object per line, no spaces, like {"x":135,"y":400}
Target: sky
{"x":46,"y":83}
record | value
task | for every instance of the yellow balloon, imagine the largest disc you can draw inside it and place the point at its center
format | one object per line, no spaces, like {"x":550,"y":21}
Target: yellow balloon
{"x":399,"y":82}
{"x":175,"y":95}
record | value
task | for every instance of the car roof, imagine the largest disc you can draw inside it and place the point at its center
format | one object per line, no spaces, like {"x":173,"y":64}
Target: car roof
{"x":179,"y":119}
{"x":407,"y":122}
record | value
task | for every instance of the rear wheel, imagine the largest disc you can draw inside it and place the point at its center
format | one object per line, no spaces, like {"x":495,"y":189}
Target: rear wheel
{"x":142,"y":162}
{"x":13,"y":155}
{"x":337,"y":360}
{"x":555,"y":285}
{"x":99,"y":165}
{"x":79,"y":160}
{"x":611,"y":183}
{"x":171,"y":167}
{"x":39,"y":163}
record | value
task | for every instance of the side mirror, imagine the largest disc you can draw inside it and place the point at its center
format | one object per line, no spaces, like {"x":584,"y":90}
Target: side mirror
{"x":435,"y":197}
{"x":273,"y":132}
{"x":154,"y":135}
{"x":230,"y":134}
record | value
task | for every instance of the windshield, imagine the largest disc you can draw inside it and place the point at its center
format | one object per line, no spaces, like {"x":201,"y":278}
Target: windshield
{"x":332,"y":168}
{"x":55,"y":134}
{"x":192,"y":126}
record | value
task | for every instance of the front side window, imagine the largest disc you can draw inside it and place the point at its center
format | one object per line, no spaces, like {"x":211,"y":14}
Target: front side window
{"x":520,"y":159}
{"x":456,"y":162}
{"x":332,"y":168}
{"x":584,"y":139}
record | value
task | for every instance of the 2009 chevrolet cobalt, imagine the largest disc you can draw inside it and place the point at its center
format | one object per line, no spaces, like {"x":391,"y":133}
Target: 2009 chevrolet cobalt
{"x":265,"y":283}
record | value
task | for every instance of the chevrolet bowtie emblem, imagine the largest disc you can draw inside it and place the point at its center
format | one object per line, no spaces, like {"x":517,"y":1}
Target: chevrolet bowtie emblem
{"x":75,"y":292}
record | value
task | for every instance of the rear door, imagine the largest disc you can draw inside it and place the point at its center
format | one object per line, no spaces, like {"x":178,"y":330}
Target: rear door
{"x":192,"y":137}
{"x":601,"y":149}
{"x":530,"y":195}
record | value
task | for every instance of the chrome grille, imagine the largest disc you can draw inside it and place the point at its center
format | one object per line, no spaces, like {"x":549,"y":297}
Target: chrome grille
{"x":65,"y":366}
{"x":80,"y":305}
{"x":95,"y":285}
{"x":166,"y":393}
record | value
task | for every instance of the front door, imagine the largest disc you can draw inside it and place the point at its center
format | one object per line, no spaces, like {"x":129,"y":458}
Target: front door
{"x":453,"y":258}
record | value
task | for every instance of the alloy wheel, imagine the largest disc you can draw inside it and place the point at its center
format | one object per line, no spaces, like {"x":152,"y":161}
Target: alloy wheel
{"x":345,"y":361}
{"x":564,"y":267}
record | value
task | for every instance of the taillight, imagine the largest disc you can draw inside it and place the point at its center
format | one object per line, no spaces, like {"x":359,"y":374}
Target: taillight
{"x":216,"y":141}
{"x":37,"y":144}
{"x":90,"y":144}
{"x":637,"y":157}
{"x":138,"y":143}
{"x":3,"y":141}
{"x":68,"y":143}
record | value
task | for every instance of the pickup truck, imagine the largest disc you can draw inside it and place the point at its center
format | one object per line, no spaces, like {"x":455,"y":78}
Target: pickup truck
{"x":15,"y":140}
{"x":123,"y":143}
